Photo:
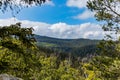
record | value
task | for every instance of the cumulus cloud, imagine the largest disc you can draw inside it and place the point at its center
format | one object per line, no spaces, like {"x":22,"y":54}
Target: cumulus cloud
{"x":85,"y":15}
{"x":77,"y":3}
{"x":60,"y":30}
{"x":48,"y":2}
{"x":80,"y":4}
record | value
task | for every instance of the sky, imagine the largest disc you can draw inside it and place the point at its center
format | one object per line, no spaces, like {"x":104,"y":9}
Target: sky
{"x":68,"y":19}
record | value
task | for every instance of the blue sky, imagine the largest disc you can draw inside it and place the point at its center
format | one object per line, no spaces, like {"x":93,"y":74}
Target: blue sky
{"x":51,"y":13}
{"x":62,"y":17}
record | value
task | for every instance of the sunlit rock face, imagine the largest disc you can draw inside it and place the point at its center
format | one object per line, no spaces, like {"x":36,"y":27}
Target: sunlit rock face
{"x":8,"y":77}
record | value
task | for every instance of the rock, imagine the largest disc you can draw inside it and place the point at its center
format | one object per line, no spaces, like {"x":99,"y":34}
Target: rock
{"x":8,"y":77}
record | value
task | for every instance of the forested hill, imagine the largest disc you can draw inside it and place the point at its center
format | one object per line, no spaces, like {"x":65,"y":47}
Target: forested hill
{"x":75,"y":46}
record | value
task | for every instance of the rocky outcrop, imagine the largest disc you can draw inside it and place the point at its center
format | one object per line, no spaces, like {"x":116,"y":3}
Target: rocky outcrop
{"x":8,"y":77}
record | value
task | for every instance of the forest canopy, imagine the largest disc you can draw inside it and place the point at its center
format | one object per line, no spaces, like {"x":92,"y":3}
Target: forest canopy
{"x":19,"y":55}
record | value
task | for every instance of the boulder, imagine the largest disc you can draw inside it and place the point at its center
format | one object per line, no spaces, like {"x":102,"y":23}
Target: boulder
{"x":8,"y":77}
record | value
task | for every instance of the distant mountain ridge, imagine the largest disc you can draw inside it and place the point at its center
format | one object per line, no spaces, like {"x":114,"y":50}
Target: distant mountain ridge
{"x":74,"y":46}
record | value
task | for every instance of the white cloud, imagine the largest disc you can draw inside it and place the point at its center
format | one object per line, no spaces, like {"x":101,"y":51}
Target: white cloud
{"x":77,"y":3}
{"x":60,"y":30}
{"x":80,"y":4}
{"x":48,"y":2}
{"x":85,"y":15}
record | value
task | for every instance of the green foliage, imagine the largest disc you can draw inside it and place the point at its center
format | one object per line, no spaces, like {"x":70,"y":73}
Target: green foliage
{"x":106,"y":10}
{"x":50,"y":71}
{"x":39,"y":68}
{"x":105,"y":66}
{"x":32,"y":65}
{"x":67,"y":72}
{"x":8,"y":33}
{"x":17,"y":51}
{"x":16,"y":63}
{"x":19,"y":57}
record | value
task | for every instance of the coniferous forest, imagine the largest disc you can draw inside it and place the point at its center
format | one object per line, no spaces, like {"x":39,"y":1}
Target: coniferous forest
{"x":29,"y":56}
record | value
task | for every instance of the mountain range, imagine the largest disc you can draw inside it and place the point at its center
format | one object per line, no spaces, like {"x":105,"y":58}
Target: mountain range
{"x":79,"y":47}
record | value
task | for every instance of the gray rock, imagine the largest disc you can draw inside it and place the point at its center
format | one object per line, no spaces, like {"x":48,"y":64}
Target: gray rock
{"x":8,"y":77}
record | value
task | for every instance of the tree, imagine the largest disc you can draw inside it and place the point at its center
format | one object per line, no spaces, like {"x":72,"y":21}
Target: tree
{"x":8,"y":33}
{"x":105,"y":65}
{"x":4,"y":4}
{"x":50,"y":71}
{"x":107,"y":11}
{"x":16,"y":5}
